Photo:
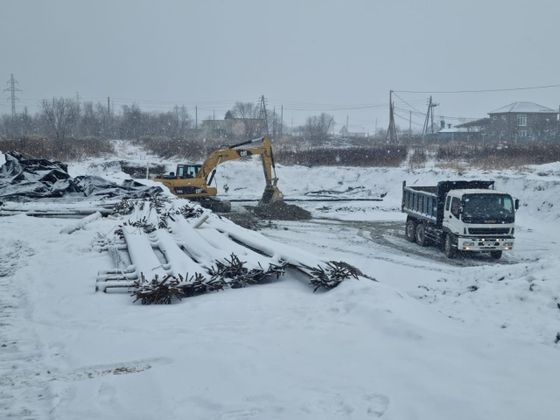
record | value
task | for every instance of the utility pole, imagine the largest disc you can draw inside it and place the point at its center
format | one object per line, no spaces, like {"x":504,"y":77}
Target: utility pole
{"x":12,"y":89}
{"x":432,"y":117}
{"x":425,"y":127}
{"x":274,"y":123}
{"x":410,"y":123}
{"x":78,"y":101}
{"x":196,"y":117}
{"x":347,"y":129}
{"x":558,"y":122}
{"x":109,"y":118}
{"x":263,"y":115}
{"x":429,"y":121}
{"x":281,"y":121}
{"x":392,"y":130}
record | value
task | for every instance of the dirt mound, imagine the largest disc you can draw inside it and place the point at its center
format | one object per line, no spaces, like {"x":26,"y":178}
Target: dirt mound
{"x":281,"y":211}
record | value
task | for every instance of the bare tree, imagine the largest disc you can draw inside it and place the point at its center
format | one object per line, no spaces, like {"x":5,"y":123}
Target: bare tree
{"x":183,"y":119}
{"x":317,"y":128}
{"x":90,"y":125}
{"x":107,"y":120}
{"x":245,"y":110}
{"x":134,"y":123}
{"x":253,"y":123}
{"x":60,"y":116}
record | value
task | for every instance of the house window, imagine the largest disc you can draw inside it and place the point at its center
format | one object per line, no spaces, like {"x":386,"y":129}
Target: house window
{"x":522,"y":120}
{"x":523,"y":133}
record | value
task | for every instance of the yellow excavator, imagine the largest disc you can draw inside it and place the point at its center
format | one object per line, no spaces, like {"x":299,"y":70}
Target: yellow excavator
{"x":193,"y":181}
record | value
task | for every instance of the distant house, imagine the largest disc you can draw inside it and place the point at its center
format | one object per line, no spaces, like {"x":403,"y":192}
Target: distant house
{"x":475,"y":126}
{"x":519,"y":121}
{"x":455,"y":134}
{"x":469,"y":131}
{"x":522,"y":121}
{"x":353,"y":134}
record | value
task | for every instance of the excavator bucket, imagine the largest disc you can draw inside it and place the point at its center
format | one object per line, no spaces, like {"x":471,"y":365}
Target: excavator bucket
{"x":273,"y":206}
{"x":270,"y":195}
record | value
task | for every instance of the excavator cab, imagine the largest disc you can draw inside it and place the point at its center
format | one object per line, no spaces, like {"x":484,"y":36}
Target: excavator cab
{"x":187,"y":171}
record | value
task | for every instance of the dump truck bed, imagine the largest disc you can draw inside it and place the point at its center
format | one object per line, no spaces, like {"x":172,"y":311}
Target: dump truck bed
{"x":427,"y":202}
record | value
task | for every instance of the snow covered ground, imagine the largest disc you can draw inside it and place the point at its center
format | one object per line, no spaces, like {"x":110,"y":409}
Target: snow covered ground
{"x":430,"y":339}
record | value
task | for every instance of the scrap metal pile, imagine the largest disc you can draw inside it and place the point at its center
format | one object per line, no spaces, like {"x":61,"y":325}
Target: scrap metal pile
{"x":166,"y":250}
{"x":23,"y":178}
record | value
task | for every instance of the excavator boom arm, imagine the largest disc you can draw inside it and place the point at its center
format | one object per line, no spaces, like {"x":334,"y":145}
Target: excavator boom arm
{"x":264,"y":149}
{"x":198,"y":187}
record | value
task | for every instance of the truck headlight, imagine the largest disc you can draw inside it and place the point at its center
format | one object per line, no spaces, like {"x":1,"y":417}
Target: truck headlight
{"x":467,"y":244}
{"x":510,"y":244}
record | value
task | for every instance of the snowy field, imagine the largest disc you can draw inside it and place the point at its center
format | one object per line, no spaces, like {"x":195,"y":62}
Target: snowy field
{"x":430,"y":339}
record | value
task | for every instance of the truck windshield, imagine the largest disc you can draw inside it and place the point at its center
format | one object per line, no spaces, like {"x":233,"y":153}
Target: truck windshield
{"x":487,"y":208}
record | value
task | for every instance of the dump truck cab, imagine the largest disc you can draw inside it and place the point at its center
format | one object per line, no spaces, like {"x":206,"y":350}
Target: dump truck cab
{"x":480,"y":219}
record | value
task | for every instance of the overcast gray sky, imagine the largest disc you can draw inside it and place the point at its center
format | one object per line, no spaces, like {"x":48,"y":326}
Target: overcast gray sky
{"x":309,"y":55}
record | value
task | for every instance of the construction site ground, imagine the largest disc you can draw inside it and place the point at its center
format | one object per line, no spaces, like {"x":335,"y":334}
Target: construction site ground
{"x":429,"y":338}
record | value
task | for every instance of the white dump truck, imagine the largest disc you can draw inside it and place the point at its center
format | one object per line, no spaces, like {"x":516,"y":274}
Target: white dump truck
{"x":461,"y":216}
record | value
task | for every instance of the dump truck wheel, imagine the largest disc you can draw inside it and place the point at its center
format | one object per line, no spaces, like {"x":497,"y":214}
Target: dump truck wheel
{"x":421,"y":235}
{"x":448,"y":249}
{"x":410,"y":230}
{"x":496,"y":254}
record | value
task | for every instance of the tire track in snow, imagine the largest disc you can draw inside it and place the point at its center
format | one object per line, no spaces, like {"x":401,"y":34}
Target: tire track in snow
{"x":390,"y":234}
{"x":28,"y":377}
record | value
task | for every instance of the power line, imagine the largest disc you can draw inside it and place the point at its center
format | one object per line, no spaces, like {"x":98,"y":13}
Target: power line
{"x":408,"y":120}
{"x":334,"y":109}
{"x":224,"y":105}
{"x":177,"y":101}
{"x":406,"y":103}
{"x":419,"y":113}
{"x":449,"y":117}
{"x":443,"y":92}
{"x":298,"y":103}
